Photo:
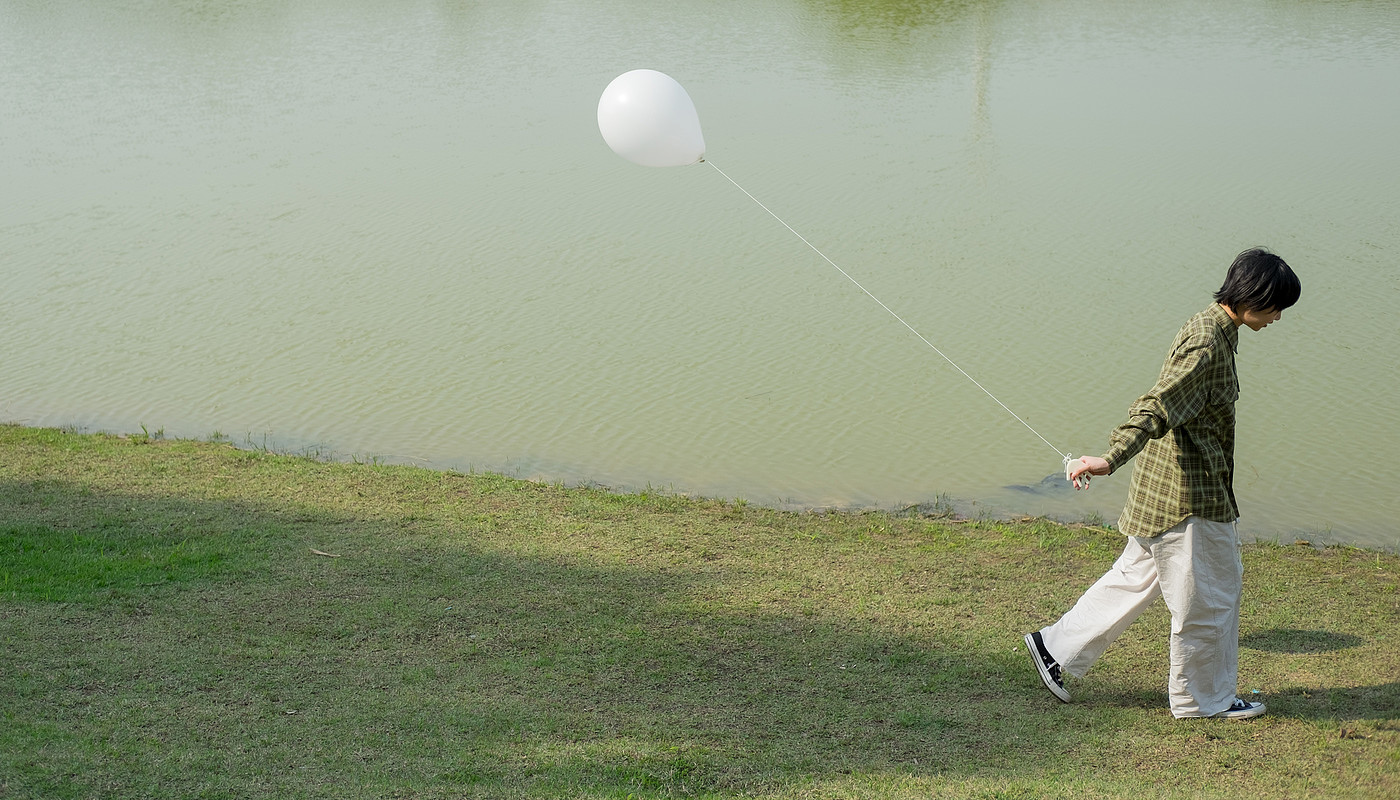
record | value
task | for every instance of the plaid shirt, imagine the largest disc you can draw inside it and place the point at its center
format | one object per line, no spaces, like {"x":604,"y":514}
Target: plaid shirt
{"x":1184,"y":429}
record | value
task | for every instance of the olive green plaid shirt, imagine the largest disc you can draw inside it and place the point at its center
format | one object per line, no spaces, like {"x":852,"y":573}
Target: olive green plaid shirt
{"x":1184,"y":430}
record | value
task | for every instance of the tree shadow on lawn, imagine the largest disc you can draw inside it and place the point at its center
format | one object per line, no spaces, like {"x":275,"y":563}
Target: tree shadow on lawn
{"x":181,"y":639}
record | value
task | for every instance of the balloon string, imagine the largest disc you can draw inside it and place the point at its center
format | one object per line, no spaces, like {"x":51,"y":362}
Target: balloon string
{"x":891,"y":312}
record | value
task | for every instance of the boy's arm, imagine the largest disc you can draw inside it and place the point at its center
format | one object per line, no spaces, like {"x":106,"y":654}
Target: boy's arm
{"x":1180,"y":394}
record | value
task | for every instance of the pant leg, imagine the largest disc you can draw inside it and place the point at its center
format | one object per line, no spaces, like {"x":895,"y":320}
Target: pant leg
{"x":1201,"y":578}
{"x":1105,"y":610}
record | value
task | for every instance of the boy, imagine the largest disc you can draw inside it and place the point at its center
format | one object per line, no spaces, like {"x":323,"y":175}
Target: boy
{"x":1180,"y":514}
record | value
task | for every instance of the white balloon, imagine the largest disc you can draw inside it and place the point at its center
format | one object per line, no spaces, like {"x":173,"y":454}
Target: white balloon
{"x":647,"y":118}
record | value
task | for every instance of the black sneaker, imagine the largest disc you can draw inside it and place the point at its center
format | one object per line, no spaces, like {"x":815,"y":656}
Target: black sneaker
{"x":1046,"y":666}
{"x":1241,"y":709}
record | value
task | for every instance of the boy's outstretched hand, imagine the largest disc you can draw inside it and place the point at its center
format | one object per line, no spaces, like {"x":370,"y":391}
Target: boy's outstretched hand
{"x":1088,"y":465}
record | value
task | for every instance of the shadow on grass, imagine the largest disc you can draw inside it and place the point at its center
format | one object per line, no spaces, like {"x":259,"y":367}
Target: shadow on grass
{"x":528,"y":647}
{"x":1381,"y":702}
{"x":202,"y":646}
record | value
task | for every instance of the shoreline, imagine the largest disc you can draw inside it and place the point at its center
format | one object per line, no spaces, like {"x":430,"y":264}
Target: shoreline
{"x":941,"y":508}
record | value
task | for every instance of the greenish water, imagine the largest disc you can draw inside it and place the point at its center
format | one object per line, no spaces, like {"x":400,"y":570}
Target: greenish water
{"x":392,"y":229}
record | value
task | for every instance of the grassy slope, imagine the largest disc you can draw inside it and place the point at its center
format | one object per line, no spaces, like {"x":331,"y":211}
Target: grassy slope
{"x":167,"y":628}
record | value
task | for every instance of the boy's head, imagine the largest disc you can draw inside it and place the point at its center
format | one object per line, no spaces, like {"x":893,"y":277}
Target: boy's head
{"x":1259,"y":281}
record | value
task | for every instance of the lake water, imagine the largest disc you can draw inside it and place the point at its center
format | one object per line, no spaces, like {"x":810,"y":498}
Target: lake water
{"x":392,"y":230}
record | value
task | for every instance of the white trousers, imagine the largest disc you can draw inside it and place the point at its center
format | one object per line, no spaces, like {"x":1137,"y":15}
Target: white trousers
{"x":1196,"y":568}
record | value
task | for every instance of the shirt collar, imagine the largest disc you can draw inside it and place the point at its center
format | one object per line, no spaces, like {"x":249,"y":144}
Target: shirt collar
{"x":1227,"y":326}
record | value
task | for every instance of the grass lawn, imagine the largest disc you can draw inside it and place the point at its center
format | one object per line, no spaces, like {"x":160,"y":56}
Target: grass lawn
{"x":186,"y":619}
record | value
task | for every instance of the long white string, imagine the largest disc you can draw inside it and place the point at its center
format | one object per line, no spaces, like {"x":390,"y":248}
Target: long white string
{"x":1065,"y":455}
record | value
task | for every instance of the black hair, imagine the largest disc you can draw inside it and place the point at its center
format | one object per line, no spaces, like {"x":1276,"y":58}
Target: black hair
{"x":1259,"y":281}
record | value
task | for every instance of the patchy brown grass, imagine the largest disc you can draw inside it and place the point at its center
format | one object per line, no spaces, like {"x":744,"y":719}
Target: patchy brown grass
{"x":186,"y":619}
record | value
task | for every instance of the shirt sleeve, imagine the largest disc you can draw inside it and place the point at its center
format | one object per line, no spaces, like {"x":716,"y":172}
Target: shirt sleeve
{"x":1179,"y":395}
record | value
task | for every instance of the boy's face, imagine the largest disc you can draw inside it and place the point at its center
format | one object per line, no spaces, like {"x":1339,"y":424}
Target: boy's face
{"x":1259,"y":320}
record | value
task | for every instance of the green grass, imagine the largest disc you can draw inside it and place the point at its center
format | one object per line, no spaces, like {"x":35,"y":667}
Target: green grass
{"x":169,"y":627}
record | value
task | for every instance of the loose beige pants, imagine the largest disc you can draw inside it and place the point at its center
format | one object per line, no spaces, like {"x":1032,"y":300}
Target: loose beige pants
{"x":1196,"y":568}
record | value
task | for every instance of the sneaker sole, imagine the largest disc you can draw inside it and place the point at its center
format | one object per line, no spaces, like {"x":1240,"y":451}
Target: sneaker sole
{"x":1055,"y":689}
